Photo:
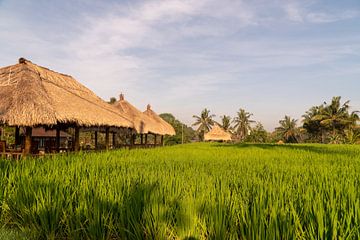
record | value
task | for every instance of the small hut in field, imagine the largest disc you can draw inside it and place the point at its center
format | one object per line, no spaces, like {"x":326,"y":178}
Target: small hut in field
{"x":166,"y":128}
{"x":217,"y":134}
{"x":142,"y":123}
{"x":33,"y":96}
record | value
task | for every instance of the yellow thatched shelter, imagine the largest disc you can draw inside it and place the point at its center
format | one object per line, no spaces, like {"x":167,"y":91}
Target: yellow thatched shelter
{"x":142,"y":123}
{"x":166,"y":128}
{"x":31,"y":95}
{"x":217,"y":134}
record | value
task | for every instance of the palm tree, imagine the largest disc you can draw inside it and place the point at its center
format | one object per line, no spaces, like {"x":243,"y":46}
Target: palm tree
{"x":242,"y":123}
{"x":288,"y":130}
{"x":226,"y":123}
{"x":336,"y":116}
{"x":204,"y":121}
{"x":312,"y":126}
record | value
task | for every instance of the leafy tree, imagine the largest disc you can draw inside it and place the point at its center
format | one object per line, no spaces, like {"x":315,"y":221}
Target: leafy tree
{"x":334,"y":116}
{"x":315,"y":131}
{"x":258,"y":134}
{"x":204,"y":122}
{"x":112,"y":100}
{"x":226,"y":123}
{"x":183,"y":132}
{"x":242,"y":123}
{"x":288,"y":130}
{"x":330,"y":121}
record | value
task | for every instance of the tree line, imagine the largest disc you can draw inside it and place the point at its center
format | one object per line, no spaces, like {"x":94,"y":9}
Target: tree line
{"x":326,"y":123}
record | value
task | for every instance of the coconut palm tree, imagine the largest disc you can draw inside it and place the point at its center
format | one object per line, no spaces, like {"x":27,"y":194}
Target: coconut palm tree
{"x":226,"y":123}
{"x":204,"y":122}
{"x":288,"y":130}
{"x":312,"y":126}
{"x":335,"y":116}
{"x":242,"y":123}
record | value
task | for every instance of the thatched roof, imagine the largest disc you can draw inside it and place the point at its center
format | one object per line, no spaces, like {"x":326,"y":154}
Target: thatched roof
{"x":32,"y":95}
{"x":217,"y":134}
{"x":142,"y":122}
{"x":167,"y":129}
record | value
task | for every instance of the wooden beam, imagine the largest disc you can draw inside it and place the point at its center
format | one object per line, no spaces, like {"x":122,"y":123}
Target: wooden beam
{"x":17,"y":136}
{"x":114,"y":140}
{"x":162,"y":140}
{"x":57,"y":140}
{"x":96,"y":139}
{"x":155,"y":139}
{"x":146,"y":140}
{"x":107,"y":138}
{"x":28,"y":134}
{"x":132,"y":141}
{"x":142,"y":139}
{"x":77,"y":139}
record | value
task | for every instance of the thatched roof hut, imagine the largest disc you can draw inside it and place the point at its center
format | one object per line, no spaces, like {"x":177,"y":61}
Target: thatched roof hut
{"x":32,"y":95}
{"x":142,"y":122}
{"x":167,"y":129}
{"x":217,"y":134}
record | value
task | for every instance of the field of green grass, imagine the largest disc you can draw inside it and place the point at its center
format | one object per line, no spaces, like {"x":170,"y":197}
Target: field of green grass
{"x":195,"y":191}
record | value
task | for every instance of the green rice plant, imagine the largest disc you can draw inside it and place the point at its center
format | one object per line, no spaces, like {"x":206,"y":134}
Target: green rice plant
{"x":193,"y":191}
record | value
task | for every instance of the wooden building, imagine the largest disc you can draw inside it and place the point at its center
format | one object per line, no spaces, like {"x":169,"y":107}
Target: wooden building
{"x":34,"y":96}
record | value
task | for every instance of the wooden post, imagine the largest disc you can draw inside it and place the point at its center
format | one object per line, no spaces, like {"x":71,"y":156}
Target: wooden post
{"x":96,"y":140}
{"x":17,"y":136}
{"x":114,"y":139}
{"x":28,"y":133}
{"x":155,"y":139}
{"x":77,"y":139}
{"x":162,"y":140}
{"x":146,"y":140}
{"x":107,"y":138}
{"x":142,"y":139}
{"x":57,"y":140}
{"x":133,"y":136}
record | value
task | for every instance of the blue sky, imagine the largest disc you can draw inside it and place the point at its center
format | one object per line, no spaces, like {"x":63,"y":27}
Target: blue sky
{"x":270,"y":57}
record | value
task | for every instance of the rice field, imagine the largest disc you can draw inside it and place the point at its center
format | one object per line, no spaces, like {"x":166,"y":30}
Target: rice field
{"x":195,"y":191}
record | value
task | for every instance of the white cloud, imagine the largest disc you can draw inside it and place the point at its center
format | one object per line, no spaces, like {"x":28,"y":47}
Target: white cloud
{"x":301,"y":11}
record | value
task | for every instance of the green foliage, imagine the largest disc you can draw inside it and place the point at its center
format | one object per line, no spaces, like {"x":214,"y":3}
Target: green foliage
{"x":194,"y":191}
{"x":330,"y":122}
{"x":288,"y":130}
{"x":204,"y":122}
{"x":258,"y":134}
{"x":112,"y":100}
{"x":183,"y":133}
{"x":242,"y":124}
{"x":226,"y":123}
{"x":7,"y":134}
{"x":10,"y":234}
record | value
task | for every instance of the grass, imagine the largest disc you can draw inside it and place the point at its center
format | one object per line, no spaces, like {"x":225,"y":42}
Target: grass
{"x":196,"y":191}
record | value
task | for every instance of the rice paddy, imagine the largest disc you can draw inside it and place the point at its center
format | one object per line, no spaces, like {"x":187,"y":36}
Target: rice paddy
{"x":195,"y":191}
